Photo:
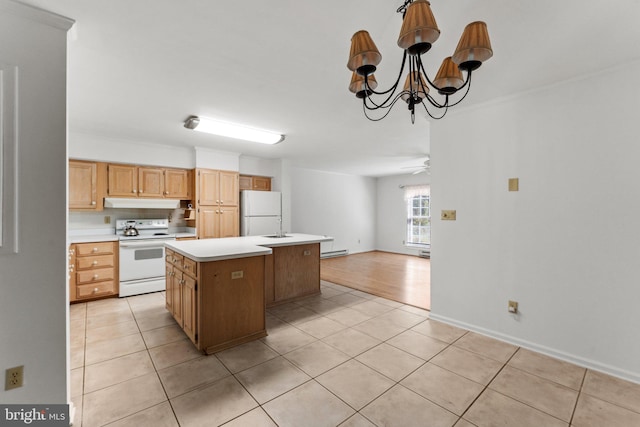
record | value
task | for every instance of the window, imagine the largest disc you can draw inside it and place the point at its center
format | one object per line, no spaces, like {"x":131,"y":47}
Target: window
{"x":418,"y":215}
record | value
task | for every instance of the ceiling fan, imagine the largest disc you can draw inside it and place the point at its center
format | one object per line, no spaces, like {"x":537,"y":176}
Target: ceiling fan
{"x":426,"y":167}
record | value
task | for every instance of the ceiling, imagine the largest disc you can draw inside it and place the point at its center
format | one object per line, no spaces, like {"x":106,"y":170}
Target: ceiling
{"x":138,"y":69}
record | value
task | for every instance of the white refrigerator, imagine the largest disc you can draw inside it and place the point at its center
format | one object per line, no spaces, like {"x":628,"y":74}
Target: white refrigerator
{"x":260,"y":212}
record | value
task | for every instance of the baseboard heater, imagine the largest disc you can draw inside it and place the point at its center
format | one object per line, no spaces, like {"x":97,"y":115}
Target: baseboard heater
{"x":333,"y":254}
{"x":424,"y":253}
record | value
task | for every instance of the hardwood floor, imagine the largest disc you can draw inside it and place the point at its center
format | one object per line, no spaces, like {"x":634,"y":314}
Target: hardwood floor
{"x":402,"y":278}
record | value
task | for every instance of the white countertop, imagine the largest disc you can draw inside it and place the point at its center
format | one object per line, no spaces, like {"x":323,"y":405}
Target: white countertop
{"x":93,"y":238}
{"x":206,"y":250}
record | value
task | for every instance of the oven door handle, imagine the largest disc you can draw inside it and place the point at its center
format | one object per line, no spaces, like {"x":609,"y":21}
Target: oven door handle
{"x":138,"y":245}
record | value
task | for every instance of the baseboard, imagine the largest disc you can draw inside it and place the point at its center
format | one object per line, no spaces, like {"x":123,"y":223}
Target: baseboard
{"x":567,"y":357}
{"x":333,"y":254}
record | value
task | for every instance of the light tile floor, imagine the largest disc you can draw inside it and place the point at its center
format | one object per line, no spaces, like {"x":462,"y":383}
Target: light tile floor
{"x":343,"y":358}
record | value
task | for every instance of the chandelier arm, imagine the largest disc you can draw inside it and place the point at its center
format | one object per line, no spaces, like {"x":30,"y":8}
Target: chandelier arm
{"x":466,"y":92}
{"x":386,"y":104}
{"x":389,"y":108}
{"x":446,"y":108}
{"x":435,"y":103}
{"x":395,"y":85}
{"x":378,"y":107}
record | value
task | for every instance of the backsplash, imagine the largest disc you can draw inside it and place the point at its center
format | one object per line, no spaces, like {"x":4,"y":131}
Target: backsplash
{"x":96,"y":220}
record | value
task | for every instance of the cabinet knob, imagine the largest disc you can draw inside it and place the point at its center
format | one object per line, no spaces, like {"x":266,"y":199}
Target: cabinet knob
{"x":94,"y":263}
{"x":94,"y":250}
{"x":95,"y":277}
{"x":140,"y":191}
{"x":93,"y":202}
{"x":133,"y":191}
{"x":95,"y":290}
{"x":186,"y":267}
{"x":166,"y":193}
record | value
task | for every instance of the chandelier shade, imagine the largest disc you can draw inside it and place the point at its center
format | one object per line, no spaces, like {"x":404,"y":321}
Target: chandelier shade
{"x":474,"y":46}
{"x":364,"y":55}
{"x":359,"y":87}
{"x":419,"y":29}
{"x":415,"y":86}
{"x":449,"y":77}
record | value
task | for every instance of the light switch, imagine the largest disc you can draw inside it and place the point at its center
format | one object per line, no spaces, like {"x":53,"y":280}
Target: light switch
{"x":448,"y":215}
{"x":514,"y":184}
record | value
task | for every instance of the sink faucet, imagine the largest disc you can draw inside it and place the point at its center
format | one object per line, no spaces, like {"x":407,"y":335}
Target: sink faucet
{"x":280,"y":233}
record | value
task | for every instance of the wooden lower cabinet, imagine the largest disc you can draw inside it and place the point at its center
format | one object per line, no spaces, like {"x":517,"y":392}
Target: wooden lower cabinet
{"x":93,"y":270}
{"x":218,"y":304}
{"x":215,"y":221}
{"x":292,"y":272}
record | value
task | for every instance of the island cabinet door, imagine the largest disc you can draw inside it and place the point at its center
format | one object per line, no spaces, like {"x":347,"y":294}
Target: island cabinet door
{"x":296,"y":271}
{"x":189,"y":308}
{"x":176,"y":289}
{"x":168,"y":286}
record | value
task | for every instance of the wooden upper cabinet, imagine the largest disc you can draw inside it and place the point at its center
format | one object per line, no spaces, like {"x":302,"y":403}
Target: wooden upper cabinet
{"x":229,"y":190}
{"x":123,"y":180}
{"x":217,"y":188}
{"x":176,"y":184}
{"x":261,"y":183}
{"x":208,"y":187}
{"x":150,"y":182}
{"x":86,"y":185}
{"x":258,"y":183}
{"x":245,"y":182}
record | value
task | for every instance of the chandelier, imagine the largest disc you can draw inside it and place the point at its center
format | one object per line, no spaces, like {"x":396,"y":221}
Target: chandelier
{"x":418,"y":33}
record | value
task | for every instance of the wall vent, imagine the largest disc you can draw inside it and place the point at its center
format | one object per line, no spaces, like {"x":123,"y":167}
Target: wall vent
{"x":333,"y":254}
{"x":425,"y":253}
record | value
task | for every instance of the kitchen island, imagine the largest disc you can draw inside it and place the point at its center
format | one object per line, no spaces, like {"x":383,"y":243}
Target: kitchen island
{"x":217,"y":289}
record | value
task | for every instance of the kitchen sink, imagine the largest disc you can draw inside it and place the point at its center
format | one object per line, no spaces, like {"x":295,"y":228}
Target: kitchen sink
{"x":277,"y":236}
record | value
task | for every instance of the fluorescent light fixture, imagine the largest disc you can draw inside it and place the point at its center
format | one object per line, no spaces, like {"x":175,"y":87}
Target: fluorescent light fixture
{"x":232,"y":130}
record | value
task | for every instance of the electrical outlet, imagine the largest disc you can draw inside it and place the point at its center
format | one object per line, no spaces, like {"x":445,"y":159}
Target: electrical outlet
{"x":13,"y":377}
{"x":513,"y":307}
{"x":107,"y":219}
{"x":448,"y":215}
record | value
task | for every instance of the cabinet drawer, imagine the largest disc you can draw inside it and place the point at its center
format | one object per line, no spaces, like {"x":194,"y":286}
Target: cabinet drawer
{"x":95,"y":275}
{"x":177,"y":260}
{"x":97,"y":248}
{"x":99,"y":261}
{"x":191,"y":267}
{"x":95,"y":289}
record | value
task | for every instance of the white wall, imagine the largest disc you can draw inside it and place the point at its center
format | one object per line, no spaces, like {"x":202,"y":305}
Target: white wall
{"x":85,"y":146}
{"x":250,"y":165}
{"x":34,"y":289}
{"x":338,"y":205}
{"x":566,"y":245}
{"x":391,"y":227}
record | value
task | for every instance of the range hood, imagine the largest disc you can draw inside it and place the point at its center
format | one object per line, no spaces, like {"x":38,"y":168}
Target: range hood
{"x":141,"y":203}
